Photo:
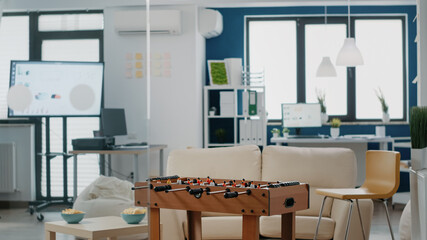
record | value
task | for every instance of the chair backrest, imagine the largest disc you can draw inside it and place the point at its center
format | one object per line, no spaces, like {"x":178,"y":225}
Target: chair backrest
{"x":382,"y":173}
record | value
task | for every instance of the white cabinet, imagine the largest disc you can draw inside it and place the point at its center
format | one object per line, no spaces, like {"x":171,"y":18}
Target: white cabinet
{"x":239,"y":117}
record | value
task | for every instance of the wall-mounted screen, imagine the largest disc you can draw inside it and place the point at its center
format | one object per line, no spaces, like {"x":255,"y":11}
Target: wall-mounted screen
{"x":59,"y":88}
{"x":300,"y":115}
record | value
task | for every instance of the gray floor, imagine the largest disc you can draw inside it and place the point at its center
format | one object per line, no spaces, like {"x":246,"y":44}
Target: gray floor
{"x":17,"y":224}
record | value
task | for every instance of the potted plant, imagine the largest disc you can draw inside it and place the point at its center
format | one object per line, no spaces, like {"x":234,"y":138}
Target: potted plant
{"x":275,"y":132}
{"x":212,"y":111}
{"x":418,"y":131}
{"x":220,"y":134}
{"x":384,"y":106}
{"x":285,"y":132}
{"x":335,"y":127}
{"x":321,"y":99}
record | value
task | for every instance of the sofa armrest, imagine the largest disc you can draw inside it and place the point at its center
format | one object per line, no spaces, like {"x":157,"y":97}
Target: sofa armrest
{"x":173,"y":223}
{"x":339,"y":213}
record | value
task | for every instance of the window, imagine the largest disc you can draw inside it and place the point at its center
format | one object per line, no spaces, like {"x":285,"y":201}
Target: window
{"x":56,"y":36}
{"x":273,"y":47}
{"x":14,"y":45}
{"x":65,"y":37}
{"x":291,"y":56}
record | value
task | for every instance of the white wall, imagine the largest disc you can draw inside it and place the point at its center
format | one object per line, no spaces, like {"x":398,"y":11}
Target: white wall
{"x":23,"y":137}
{"x":176,"y":101}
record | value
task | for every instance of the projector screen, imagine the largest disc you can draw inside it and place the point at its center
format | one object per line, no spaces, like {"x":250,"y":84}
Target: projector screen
{"x":58,"y":88}
{"x":301,"y":115}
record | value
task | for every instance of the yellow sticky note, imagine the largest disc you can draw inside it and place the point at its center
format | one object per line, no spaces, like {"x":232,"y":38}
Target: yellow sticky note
{"x":138,"y":74}
{"x":157,"y":64}
{"x":138,"y":64}
{"x":138,"y":56}
{"x":156,"y":56}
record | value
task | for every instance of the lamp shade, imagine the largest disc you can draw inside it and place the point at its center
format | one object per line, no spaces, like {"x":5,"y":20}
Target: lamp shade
{"x":326,"y":69}
{"x":349,"y":54}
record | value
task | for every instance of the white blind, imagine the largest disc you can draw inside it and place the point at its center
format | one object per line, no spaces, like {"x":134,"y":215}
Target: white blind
{"x":14,"y":45}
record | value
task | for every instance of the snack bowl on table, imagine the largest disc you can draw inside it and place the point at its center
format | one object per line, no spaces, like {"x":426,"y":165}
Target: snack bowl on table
{"x":133,"y":215}
{"x":72,"y":216}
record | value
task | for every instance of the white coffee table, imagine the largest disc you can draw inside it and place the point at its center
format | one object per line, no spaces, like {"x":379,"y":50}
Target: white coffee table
{"x":95,"y":228}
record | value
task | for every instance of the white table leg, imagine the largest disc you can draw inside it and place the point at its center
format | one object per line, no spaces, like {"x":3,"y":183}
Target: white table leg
{"x":136,"y":168}
{"x":75,"y":177}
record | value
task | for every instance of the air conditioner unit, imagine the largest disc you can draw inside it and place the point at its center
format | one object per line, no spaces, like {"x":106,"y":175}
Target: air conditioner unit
{"x":161,"y":21}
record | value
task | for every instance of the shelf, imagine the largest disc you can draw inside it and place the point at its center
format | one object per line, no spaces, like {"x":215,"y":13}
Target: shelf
{"x":221,"y":144}
{"x":218,"y":116}
{"x":229,"y":87}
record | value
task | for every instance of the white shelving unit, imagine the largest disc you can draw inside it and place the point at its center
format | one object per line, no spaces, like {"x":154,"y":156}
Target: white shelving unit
{"x":230,"y":122}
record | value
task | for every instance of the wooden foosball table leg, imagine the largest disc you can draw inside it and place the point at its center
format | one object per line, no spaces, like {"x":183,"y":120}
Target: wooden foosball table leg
{"x":288,"y":226}
{"x":154,"y":223}
{"x":194,"y":220}
{"x":250,"y":229}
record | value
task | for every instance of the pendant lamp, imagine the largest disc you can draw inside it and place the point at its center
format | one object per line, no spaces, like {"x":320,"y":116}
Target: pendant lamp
{"x":349,"y":55}
{"x":326,"y":68}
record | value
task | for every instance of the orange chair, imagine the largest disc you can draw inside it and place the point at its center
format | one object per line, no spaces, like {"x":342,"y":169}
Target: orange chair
{"x":382,"y":181}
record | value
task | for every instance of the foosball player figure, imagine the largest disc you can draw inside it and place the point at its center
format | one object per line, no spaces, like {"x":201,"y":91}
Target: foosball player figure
{"x":169,"y":181}
{"x":179,"y":181}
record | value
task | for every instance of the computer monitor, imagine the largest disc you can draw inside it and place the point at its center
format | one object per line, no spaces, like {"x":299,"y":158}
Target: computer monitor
{"x":299,"y":115}
{"x":113,"y":122}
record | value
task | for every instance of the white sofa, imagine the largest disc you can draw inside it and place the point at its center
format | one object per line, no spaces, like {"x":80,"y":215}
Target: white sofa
{"x":319,"y":167}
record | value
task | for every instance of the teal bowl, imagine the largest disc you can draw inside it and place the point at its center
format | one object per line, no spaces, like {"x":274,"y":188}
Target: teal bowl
{"x":73,"y":218}
{"x":133,"y":218}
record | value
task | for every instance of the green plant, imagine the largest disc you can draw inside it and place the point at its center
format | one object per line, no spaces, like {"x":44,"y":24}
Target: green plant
{"x":335,"y":123}
{"x":381,"y":97}
{"x":220,"y":134}
{"x":321,"y":99}
{"x":218,"y":73}
{"x":418,"y":127}
{"x":275,"y":130}
{"x":285,"y":130}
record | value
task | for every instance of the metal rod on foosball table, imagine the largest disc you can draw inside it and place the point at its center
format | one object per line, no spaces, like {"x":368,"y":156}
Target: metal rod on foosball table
{"x":142,"y":187}
{"x":216,"y":192}
{"x":178,"y":189}
{"x":236,"y":194}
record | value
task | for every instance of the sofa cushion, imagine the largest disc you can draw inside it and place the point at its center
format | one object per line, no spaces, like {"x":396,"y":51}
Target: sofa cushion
{"x":228,"y":162}
{"x":319,"y":167}
{"x":304,"y":227}
{"x":229,"y":227}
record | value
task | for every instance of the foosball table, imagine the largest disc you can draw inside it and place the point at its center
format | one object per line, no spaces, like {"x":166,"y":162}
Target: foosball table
{"x":251,"y":199}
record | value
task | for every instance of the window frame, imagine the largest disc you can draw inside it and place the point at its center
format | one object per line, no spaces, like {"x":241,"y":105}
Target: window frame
{"x":351,"y":71}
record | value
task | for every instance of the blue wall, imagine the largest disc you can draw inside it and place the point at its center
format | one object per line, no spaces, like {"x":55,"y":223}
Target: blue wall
{"x":230,"y":44}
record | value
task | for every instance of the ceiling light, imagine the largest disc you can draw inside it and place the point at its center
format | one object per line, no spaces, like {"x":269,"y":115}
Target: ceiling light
{"x":349,"y":55}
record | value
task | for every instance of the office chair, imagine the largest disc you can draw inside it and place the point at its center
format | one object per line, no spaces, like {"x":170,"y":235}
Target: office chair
{"x":382,"y":181}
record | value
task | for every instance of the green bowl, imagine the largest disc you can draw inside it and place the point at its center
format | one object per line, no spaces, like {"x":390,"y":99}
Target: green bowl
{"x":133,"y":218}
{"x":73,"y":218}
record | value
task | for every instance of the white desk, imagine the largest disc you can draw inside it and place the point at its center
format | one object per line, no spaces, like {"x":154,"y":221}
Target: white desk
{"x":134,"y":151}
{"x":358,"y":144}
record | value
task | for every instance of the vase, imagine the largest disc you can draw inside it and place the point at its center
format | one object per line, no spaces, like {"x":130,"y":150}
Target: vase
{"x":285,"y":135}
{"x":386,"y":117}
{"x":418,"y":158}
{"x":324,"y":118}
{"x":335,"y":132}
{"x":275,"y":135}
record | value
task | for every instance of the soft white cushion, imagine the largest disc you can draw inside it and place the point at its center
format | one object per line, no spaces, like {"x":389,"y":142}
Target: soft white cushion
{"x":405,"y":223}
{"x":304,"y":227}
{"x":228,"y":162}
{"x":106,"y":196}
{"x":319,"y":167}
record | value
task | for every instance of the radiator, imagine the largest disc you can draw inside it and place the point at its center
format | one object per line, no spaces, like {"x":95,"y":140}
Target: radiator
{"x":7,"y":167}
